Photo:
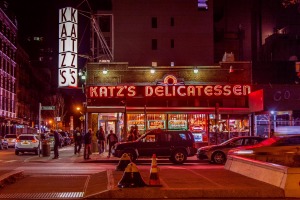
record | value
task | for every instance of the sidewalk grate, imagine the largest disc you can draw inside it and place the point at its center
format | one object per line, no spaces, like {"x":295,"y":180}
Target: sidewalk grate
{"x":55,"y":195}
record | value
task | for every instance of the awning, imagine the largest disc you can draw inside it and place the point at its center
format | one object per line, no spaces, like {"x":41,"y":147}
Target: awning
{"x":105,"y":109}
{"x":114,"y":109}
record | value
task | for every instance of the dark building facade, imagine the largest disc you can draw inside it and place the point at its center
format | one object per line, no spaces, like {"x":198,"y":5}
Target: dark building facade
{"x":225,"y":43}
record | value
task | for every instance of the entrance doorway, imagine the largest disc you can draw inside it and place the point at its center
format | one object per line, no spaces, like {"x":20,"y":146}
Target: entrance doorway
{"x":108,"y":125}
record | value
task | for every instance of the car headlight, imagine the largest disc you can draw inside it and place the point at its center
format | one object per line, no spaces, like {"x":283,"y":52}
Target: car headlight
{"x":242,"y":152}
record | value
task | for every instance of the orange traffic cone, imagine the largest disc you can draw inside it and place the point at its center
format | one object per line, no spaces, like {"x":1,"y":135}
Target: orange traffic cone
{"x":124,"y":161}
{"x":126,"y":179}
{"x":137,"y":180}
{"x":131,"y":177}
{"x":154,"y":178}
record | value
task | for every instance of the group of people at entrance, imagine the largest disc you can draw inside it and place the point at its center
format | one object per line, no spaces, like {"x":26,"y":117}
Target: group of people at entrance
{"x":111,"y":140}
{"x":86,"y":139}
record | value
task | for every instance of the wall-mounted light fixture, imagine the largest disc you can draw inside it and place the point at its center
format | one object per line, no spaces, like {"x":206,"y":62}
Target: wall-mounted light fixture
{"x":104,"y":71}
{"x":152,"y":70}
{"x":196,"y":70}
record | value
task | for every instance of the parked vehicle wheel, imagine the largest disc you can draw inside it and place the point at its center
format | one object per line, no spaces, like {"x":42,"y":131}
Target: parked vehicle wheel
{"x":36,"y":152}
{"x":132,"y":155}
{"x":17,"y":152}
{"x":178,"y":157}
{"x":219,"y":157}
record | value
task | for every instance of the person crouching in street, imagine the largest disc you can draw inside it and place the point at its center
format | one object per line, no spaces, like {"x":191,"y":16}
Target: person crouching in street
{"x":87,"y":138}
{"x":56,"y":144}
{"x":112,"y":139}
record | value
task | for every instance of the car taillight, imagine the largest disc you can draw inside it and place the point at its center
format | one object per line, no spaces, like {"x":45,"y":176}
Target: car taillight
{"x":17,"y":140}
{"x":34,"y":141}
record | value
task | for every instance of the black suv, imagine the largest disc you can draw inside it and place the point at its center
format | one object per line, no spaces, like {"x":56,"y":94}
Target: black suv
{"x":175,"y":145}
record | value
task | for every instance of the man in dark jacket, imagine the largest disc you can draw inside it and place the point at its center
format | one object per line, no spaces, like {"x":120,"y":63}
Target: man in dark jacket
{"x":77,"y":141}
{"x":56,"y":144}
{"x":101,"y":139}
{"x":87,"y":138}
{"x":112,"y":139}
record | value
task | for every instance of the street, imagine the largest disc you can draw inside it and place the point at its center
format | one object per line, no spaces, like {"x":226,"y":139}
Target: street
{"x":70,"y":177}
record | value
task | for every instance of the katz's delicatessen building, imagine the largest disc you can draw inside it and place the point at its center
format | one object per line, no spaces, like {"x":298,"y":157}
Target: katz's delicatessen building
{"x":210,"y":101}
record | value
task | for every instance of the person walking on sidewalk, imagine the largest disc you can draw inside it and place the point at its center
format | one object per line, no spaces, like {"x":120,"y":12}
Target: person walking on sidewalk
{"x":56,"y":144}
{"x":77,"y":141}
{"x":87,"y":138}
{"x":101,"y":139}
{"x":112,"y":139}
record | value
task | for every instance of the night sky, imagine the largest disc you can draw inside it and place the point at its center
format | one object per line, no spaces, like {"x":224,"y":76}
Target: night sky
{"x":40,"y":18}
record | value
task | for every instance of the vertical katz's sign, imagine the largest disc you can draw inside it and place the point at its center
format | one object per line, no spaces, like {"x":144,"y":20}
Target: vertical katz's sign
{"x":67,"y":61}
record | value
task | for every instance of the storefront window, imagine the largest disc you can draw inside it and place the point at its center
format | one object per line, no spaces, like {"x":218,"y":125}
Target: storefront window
{"x":177,"y":122}
{"x":156,"y":121}
{"x":198,"y":126}
{"x":222,"y":129}
{"x":136,"y":120}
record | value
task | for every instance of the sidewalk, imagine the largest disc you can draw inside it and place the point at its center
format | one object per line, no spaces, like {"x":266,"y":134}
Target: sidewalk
{"x":176,"y":183}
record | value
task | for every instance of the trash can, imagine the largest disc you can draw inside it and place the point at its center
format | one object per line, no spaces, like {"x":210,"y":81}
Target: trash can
{"x":46,"y":148}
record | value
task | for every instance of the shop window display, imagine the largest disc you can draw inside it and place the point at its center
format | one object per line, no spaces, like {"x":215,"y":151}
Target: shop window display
{"x":198,"y":126}
{"x":221,"y":130}
{"x":136,"y":120}
{"x":156,"y":121}
{"x":177,"y":122}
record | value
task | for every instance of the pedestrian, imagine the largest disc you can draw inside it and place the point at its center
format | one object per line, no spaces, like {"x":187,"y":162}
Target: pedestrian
{"x":112,"y":139}
{"x":56,"y":144}
{"x":131,"y":136}
{"x":136,"y":132}
{"x":77,"y":141}
{"x":101,"y":139}
{"x":87,"y":144}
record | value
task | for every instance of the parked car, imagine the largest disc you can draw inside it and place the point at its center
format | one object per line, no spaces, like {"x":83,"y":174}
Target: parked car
{"x":10,"y":139}
{"x":27,"y":143}
{"x":218,"y":153}
{"x":175,"y":145}
{"x":3,"y":144}
{"x":275,"y":149}
{"x":66,"y":139}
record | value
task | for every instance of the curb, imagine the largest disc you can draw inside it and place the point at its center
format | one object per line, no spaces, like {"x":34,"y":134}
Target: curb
{"x":10,"y":177}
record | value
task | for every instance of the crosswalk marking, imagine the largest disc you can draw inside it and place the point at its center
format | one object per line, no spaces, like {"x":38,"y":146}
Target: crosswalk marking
{"x":8,"y":161}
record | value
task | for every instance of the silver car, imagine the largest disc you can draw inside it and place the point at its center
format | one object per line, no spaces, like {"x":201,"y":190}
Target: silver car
{"x":27,"y":143}
{"x":218,"y":153}
{"x":10,"y":139}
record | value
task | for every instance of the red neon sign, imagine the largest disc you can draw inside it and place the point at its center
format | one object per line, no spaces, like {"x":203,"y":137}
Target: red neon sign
{"x":167,"y":91}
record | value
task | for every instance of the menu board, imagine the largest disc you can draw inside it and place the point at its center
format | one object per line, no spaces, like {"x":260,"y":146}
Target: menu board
{"x":155,"y":124}
{"x":139,"y":123}
{"x":177,"y":124}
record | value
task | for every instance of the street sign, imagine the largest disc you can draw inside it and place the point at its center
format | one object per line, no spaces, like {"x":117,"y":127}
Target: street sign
{"x":48,"y":107}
